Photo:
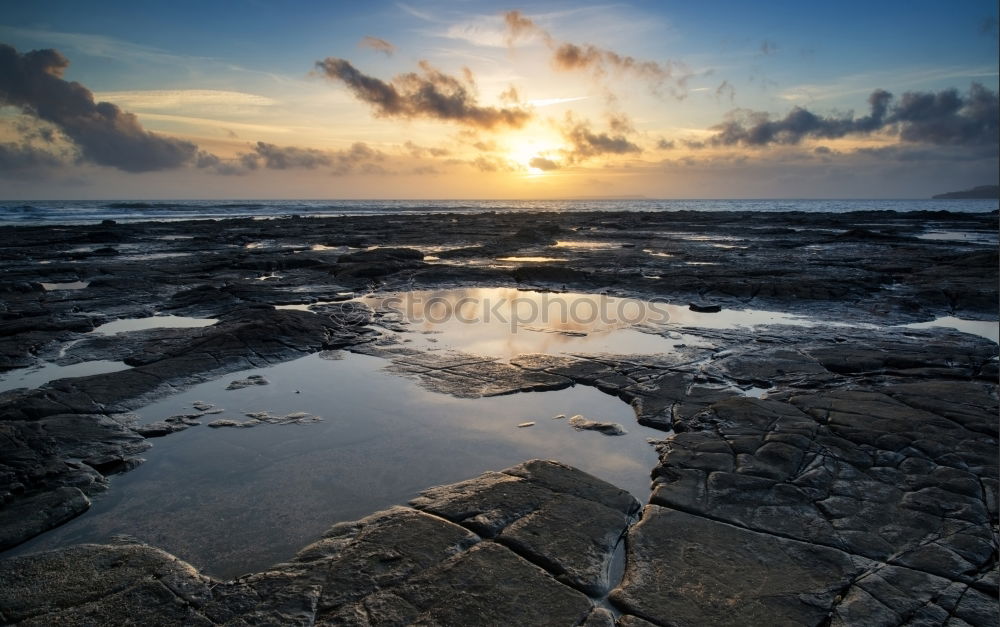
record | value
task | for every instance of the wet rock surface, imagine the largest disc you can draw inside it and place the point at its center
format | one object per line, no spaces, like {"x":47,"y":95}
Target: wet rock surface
{"x":399,"y":566}
{"x":861,"y":489}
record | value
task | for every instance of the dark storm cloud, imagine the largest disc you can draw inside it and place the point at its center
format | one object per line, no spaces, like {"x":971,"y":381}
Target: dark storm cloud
{"x":942,"y":118}
{"x":429,"y":94}
{"x":378,"y":45}
{"x":586,"y":143}
{"x":600,"y":62}
{"x":103,"y":133}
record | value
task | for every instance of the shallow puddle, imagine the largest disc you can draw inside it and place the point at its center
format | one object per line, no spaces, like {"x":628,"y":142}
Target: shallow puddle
{"x":972,"y":237}
{"x":152,"y":256}
{"x":533,"y":259}
{"x":232,"y":500}
{"x":506,"y":322}
{"x":990,"y":329}
{"x":584,"y":244}
{"x":69,"y":285}
{"x":153,"y":322}
{"x":654,"y":253}
{"x":39,"y":375}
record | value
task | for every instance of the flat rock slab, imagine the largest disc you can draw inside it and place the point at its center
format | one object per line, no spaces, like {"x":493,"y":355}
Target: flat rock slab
{"x":854,"y":470}
{"x":689,"y":570}
{"x":399,"y":566}
{"x":554,"y":515}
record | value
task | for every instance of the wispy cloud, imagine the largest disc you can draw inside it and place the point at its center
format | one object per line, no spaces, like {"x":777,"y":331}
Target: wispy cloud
{"x":421,"y":15}
{"x":105,"y":47}
{"x":218,"y":123}
{"x":169,"y":99}
{"x":95,"y":45}
{"x":378,"y":45}
{"x":548,"y":102}
{"x":855,"y":84}
{"x":601,"y":63}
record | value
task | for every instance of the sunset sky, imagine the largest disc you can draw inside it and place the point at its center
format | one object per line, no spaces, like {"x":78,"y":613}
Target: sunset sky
{"x":467,"y":99}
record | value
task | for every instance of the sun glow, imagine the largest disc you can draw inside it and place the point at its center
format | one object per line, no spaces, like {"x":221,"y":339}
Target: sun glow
{"x":536,"y":156}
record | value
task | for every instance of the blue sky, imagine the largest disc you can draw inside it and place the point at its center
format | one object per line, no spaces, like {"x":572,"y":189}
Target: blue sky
{"x":216,"y":78}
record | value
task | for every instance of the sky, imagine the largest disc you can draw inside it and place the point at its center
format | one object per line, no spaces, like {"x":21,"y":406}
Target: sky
{"x":469,"y":99}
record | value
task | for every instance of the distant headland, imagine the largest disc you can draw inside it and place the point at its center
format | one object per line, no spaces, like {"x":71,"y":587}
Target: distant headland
{"x":982,"y":191}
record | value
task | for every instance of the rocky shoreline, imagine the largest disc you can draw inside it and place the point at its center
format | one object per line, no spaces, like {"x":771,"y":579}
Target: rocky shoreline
{"x":861,"y":490}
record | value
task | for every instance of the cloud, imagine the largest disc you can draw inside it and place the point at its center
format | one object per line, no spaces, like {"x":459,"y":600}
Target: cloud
{"x":160,"y":99}
{"x":510,"y":96}
{"x":941,"y":118}
{"x":548,"y":102}
{"x":421,"y":152}
{"x":429,"y":94}
{"x":620,"y":123}
{"x":907,"y":153}
{"x":360,"y":157}
{"x":288,"y":157}
{"x":585,"y":143}
{"x":272,"y":157}
{"x":946,"y":117}
{"x":491,"y":164}
{"x":988,"y":26}
{"x":427,"y":17}
{"x":103,"y":133}
{"x":520,"y":27}
{"x":543,"y":164}
{"x":378,"y":45}
{"x":600,"y":62}
{"x":18,"y":160}
{"x":725,"y":90}
{"x":569,"y":56}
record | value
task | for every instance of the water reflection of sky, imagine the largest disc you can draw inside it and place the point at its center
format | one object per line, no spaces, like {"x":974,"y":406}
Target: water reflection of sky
{"x":152,"y":322}
{"x":36,"y":376}
{"x":990,"y":329}
{"x":235,"y":500}
{"x":505,"y":322}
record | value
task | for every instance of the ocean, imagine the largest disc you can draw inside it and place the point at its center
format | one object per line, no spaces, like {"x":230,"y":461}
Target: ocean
{"x":92,"y":211}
